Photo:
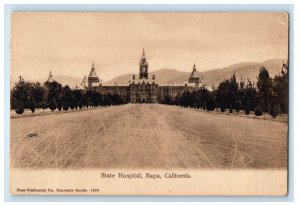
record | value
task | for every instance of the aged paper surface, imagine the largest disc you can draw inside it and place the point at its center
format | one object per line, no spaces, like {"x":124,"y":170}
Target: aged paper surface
{"x":152,"y":182}
{"x":107,"y":103}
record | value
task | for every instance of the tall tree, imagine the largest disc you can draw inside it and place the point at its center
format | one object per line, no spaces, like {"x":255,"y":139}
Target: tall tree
{"x":39,"y":93}
{"x":221,"y":93}
{"x":53,"y":90}
{"x":264,"y":85}
{"x":22,"y":95}
{"x":281,"y":88}
{"x":250,"y":97}
{"x":66,"y":97}
{"x":232,"y":92}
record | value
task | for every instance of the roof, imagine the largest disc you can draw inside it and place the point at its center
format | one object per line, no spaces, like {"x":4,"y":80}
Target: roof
{"x":141,"y":81}
{"x":93,"y":72}
{"x":50,"y":78}
{"x":115,"y":84}
{"x":195,"y":73}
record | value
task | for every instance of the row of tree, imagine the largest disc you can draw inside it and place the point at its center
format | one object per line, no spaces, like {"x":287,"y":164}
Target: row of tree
{"x":52,"y":95}
{"x":268,"y":95}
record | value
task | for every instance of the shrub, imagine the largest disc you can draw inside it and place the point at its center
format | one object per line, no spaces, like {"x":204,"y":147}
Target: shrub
{"x":71,"y":104}
{"x":65,"y":106}
{"x":238,"y":106}
{"x":59,"y":106}
{"x":258,"y":111}
{"x":43,"y":105}
{"x":211,"y":107}
{"x":204,"y":105}
{"x":222,"y":109}
{"x":32,"y":107}
{"x":274,"y":110}
{"x":247,"y":110}
{"x":195,"y":105}
{"x":52,"y":105}
{"x":19,"y":110}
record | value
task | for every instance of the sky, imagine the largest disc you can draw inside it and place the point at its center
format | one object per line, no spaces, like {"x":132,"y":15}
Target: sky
{"x":67,"y":42}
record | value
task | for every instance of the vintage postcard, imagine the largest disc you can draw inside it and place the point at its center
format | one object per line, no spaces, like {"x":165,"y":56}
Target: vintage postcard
{"x":137,"y":103}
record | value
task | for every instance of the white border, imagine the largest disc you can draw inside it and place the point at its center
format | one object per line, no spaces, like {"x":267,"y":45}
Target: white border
{"x":296,"y":75}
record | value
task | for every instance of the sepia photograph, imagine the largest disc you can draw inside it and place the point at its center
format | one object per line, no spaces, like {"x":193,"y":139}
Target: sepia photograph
{"x":149,"y":103}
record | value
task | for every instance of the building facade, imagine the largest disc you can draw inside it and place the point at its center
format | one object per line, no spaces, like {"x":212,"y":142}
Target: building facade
{"x":143,"y":89}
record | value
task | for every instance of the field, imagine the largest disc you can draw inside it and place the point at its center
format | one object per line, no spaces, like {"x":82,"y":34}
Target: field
{"x":147,"y":136}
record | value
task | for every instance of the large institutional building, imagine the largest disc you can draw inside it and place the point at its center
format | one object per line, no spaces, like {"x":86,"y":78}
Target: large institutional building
{"x":143,"y":88}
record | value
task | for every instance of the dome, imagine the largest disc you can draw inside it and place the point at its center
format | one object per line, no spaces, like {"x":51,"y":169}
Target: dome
{"x":195,"y":77}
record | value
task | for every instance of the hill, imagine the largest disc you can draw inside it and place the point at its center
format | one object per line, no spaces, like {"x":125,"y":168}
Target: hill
{"x":64,"y":80}
{"x":245,"y":70}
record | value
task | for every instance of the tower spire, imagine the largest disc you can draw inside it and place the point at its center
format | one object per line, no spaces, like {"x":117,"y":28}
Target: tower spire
{"x":50,"y":78}
{"x":143,"y":67}
{"x":194,"y":67}
{"x":93,"y":77}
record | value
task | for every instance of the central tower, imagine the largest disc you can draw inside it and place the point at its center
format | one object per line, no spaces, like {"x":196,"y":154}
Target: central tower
{"x":92,"y":78}
{"x":143,"y":67}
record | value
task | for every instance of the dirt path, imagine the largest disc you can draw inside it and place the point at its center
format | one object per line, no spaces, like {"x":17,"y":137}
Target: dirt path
{"x":142,"y":138}
{"x":147,"y":136}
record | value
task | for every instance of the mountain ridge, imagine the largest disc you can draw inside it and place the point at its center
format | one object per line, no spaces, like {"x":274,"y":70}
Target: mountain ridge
{"x":244,"y":70}
{"x":167,"y":75}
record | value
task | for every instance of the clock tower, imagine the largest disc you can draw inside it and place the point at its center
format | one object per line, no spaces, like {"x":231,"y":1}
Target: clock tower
{"x":143,"y":67}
